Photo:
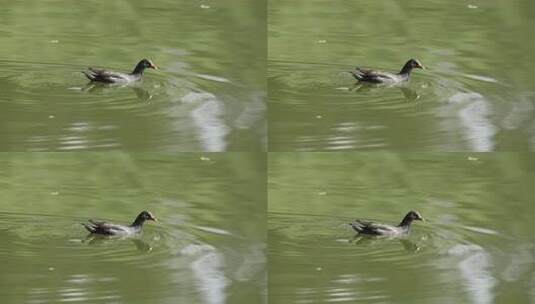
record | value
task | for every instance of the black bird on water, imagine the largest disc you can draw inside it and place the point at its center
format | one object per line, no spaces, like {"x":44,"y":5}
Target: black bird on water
{"x":376,"y":76}
{"x":106,"y":228}
{"x":372,"y":228}
{"x":107,"y":76}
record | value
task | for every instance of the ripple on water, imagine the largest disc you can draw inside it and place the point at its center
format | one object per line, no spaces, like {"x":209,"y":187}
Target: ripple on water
{"x":56,"y":109}
{"x":459,"y":110}
{"x":29,"y":235}
{"x":80,"y":267}
{"x":325,"y":252}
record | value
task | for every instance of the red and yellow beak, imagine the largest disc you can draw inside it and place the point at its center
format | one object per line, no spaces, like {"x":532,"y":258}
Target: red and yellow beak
{"x":152,"y":65}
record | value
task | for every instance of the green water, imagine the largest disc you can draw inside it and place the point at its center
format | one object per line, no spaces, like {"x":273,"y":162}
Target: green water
{"x":200,"y":251}
{"x":476,"y":95}
{"x":207,"y":96}
{"x":476,"y":246}
{"x":243,"y":226}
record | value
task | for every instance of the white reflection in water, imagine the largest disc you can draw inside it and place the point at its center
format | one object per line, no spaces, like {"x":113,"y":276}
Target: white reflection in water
{"x":77,"y":137}
{"x":252,"y":112}
{"x":213,"y":78}
{"x":480,"y":230}
{"x":252,"y":115}
{"x":341,"y":295}
{"x":520,"y":113}
{"x":473,"y":111}
{"x":521,"y":262}
{"x":481,"y":78}
{"x":253,"y":263}
{"x":77,"y":288}
{"x":213,"y":230}
{"x":208,"y":270}
{"x":475,"y":267}
{"x":208,"y":117}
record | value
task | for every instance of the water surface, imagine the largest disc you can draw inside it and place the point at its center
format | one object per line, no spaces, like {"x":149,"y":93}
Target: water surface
{"x":477,"y":93}
{"x":207,"y":96}
{"x":207,"y":247}
{"x":477,"y":245}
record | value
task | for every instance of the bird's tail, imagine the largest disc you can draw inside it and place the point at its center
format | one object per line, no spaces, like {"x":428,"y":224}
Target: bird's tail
{"x":357,"y":76}
{"x":89,"y":227}
{"x":89,"y":75}
{"x":355,"y":227}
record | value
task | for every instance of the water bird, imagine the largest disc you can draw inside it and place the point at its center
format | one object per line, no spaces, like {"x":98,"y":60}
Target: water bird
{"x":105,"y":228}
{"x":376,"y":76}
{"x":372,"y":228}
{"x":107,"y":76}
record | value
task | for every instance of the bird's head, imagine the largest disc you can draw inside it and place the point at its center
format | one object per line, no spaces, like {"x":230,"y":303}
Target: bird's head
{"x":414,"y":216}
{"x":415,"y":64}
{"x":147,"y":216}
{"x":146,"y":63}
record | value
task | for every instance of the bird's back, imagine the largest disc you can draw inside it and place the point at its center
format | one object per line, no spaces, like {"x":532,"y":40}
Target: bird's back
{"x":107,"y":228}
{"x":106,"y":76}
{"x":371,"y":228}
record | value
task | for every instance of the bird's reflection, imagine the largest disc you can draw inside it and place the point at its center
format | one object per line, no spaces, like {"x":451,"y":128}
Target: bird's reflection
{"x":407,"y":92}
{"x":96,"y":87}
{"x":97,"y":239}
{"x":409,"y":246}
{"x":365,"y":240}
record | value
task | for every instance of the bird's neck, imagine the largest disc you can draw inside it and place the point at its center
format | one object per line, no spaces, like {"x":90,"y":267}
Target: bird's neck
{"x":406,"y":69}
{"x":138,"y":70}
{"x":406,"y":222}
{"x":138,"y":222}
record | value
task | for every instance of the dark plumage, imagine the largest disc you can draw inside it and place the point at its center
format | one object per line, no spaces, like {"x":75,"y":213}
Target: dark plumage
{"x":371,"y":228}
{"x":107,"y":76}
{"x":375,"y":76}
{"x":116,"y":229}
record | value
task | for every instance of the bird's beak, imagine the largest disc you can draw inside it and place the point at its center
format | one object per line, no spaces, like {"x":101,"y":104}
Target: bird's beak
{"x":422,"y":219}
{"x":154,"y":219}
{"x":154,"y":67}
{"x":421,"y":67}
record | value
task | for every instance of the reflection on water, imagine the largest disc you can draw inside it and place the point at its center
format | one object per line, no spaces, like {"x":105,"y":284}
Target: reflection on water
{"x":469,"y":114}
{"x":473,"y":244}
{"x":428,"y":114}
{"x":407,"y":244}
{"x":208,"y":271}
{"x":475,"y":267}
{"x":98,"y":88}
{"x":208,"y":117}
{"x":99,"y":240}
{"x":407,"y":92}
